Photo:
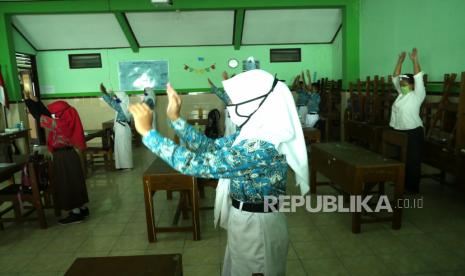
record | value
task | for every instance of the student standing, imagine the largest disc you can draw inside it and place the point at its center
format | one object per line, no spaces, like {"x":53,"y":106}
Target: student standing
{"x":251,"y":164}
{"x":65,"y":136}
{"x":122,"y":127}
{"x":405,"y":116}
{"x":313,"y":105}
{"x":150,"y":100}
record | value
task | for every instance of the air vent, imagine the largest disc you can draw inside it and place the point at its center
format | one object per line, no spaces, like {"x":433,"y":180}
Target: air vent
{"x":285,"y":55}
{"x":80,"y":61}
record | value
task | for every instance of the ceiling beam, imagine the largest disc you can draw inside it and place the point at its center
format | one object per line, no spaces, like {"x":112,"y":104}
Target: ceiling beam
{"x":128,"y":33}
{"x":239,"y":16}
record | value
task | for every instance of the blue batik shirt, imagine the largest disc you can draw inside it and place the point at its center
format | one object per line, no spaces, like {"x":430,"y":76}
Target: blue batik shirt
{"x":120,"y":115}
{"x":255,"y":167}
{"x":221,"y":94}
{"x":302,"y":98}
{"x":314,"y":103}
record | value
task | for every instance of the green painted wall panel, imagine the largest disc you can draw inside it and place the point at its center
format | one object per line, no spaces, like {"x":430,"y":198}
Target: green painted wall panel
{"x":21,"y":45}
{"x":54,"y":70}
{"x":435,"y":27}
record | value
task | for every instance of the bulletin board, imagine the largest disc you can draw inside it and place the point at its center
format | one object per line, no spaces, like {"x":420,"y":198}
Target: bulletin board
{"x":137,"y":75}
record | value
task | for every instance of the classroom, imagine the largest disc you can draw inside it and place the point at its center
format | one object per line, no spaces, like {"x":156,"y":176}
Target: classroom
{"x":233,"y":138}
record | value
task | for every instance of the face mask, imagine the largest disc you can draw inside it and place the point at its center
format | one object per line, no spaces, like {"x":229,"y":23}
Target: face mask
{"x":405,"y":90}
{"x":241,"y":113}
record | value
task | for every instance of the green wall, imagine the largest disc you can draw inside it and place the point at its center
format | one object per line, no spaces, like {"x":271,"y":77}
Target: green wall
{"x":337,"y":57}
{"x":21,"y":45}
{"x":435,"y":27}
{"x":54,"y":70}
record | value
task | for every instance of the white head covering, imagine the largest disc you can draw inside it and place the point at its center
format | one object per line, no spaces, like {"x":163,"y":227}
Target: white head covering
{"x":124,"y":98}
{"x":149,"y":94}
{"x":275,"y":121}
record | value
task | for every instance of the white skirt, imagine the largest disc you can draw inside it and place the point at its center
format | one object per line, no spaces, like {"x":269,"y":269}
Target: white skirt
{"x":311,"y":120}
{"x":257,"y":243}
{"x":302,"y":111}
{"x":123,"y":146}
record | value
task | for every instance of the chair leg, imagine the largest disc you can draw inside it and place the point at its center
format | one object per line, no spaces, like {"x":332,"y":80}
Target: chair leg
{"x":185,"y":204}
{"x":17,"y":210}
{"x":201,"y":190}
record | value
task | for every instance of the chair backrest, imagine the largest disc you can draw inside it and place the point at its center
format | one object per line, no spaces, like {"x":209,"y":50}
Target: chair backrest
{"x":395,"y":140}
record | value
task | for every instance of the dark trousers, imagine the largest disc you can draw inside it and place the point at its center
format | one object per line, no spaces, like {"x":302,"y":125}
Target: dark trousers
{"x":413,"y":162}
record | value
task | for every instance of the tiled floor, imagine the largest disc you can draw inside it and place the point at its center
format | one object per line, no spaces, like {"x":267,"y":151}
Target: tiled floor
{"x":431,"y":241}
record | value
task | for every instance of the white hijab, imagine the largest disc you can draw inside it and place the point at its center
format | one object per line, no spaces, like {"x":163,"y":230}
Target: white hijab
{"x":149,"y":94}
{"x":124,"y":98}
{"x":276,"y":121}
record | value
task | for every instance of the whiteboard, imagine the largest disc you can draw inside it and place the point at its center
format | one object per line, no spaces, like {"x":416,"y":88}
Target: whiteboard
{"x":137,"y":75}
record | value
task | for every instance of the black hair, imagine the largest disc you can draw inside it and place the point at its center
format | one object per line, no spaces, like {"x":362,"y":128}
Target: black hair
{"x":408,"y":78}
{"x":316,"y":85}
{"x":212,"y":130}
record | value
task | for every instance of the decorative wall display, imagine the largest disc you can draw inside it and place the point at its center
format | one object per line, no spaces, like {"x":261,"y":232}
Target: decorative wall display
{"x":233,"y":63}
{"x":250,"y":63}
{"x":137,"y":75}
{"x":199,"y":70}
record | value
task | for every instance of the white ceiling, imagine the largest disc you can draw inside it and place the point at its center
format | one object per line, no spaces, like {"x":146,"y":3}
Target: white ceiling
{"x":290,"y":26}
{"x":185,"y":28}
{"x":182,"y":28}
{"x":71,"y":31}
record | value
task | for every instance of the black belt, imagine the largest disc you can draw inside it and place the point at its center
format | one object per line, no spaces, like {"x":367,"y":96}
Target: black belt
{"x":254,"y":207}
{"x":65,"y":148}
{"x":313,"y":113}
{"x":123,"y":123}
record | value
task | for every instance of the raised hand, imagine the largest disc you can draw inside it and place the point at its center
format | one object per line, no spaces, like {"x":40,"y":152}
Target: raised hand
{"x":210,"y":82}
{"x":174,"y":103}
{"x":413,"y":54}
{"x":103,"y":89}
{"x":402,"y":57}
{"x":143,"y":117}
{"x":225,"y":75}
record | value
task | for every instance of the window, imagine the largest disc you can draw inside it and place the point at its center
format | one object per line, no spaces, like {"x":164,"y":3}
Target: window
{"x":285,"y":55}
{"x":80,"y":61}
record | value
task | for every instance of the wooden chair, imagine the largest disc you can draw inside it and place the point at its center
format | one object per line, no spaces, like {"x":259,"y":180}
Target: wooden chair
{"x":100,"y":155}
{"x":398,"y":140}
{"x":394,"y":146}
{"x":17,"y":194}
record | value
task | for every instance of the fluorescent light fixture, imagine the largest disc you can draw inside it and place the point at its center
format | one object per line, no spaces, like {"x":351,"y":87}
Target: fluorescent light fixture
{"x":162,"y":2}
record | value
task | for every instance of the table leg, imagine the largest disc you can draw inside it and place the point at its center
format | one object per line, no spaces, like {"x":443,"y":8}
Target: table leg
{"x":149,"y":212}
{"x":195,"y":209}
{"x":357,"y":216}
{"x":313,"y":174}
{"x":398,"y":194}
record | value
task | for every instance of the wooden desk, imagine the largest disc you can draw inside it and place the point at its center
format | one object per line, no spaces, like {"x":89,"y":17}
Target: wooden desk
{"x":160,"y":176}
{"x":351,"y":167}
{"x":365,"y":133}
{"x":153,"y":265}
{"x":311,"y":135}
{"x":7,"y":171}
{"x":7,"y":138}
{"x":93,"y":133}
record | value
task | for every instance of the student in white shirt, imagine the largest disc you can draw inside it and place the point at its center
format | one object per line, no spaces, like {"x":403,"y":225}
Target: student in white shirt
{"x":405,"y":117}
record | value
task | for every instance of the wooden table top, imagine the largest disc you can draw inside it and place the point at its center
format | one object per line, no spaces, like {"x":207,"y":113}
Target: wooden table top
{"x":13,"y":135}
{"x":153,"y":265}
{"x":93,"y":133}
{"x":8,"y":169}
{"x":354,"y":155}
{"x":159,"y":167}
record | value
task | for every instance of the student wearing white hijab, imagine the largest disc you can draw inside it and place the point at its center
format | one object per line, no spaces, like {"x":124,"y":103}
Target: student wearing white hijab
{"x":251,"y":164}
{"x":122,"y":127}
{"x":150,"y":99}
